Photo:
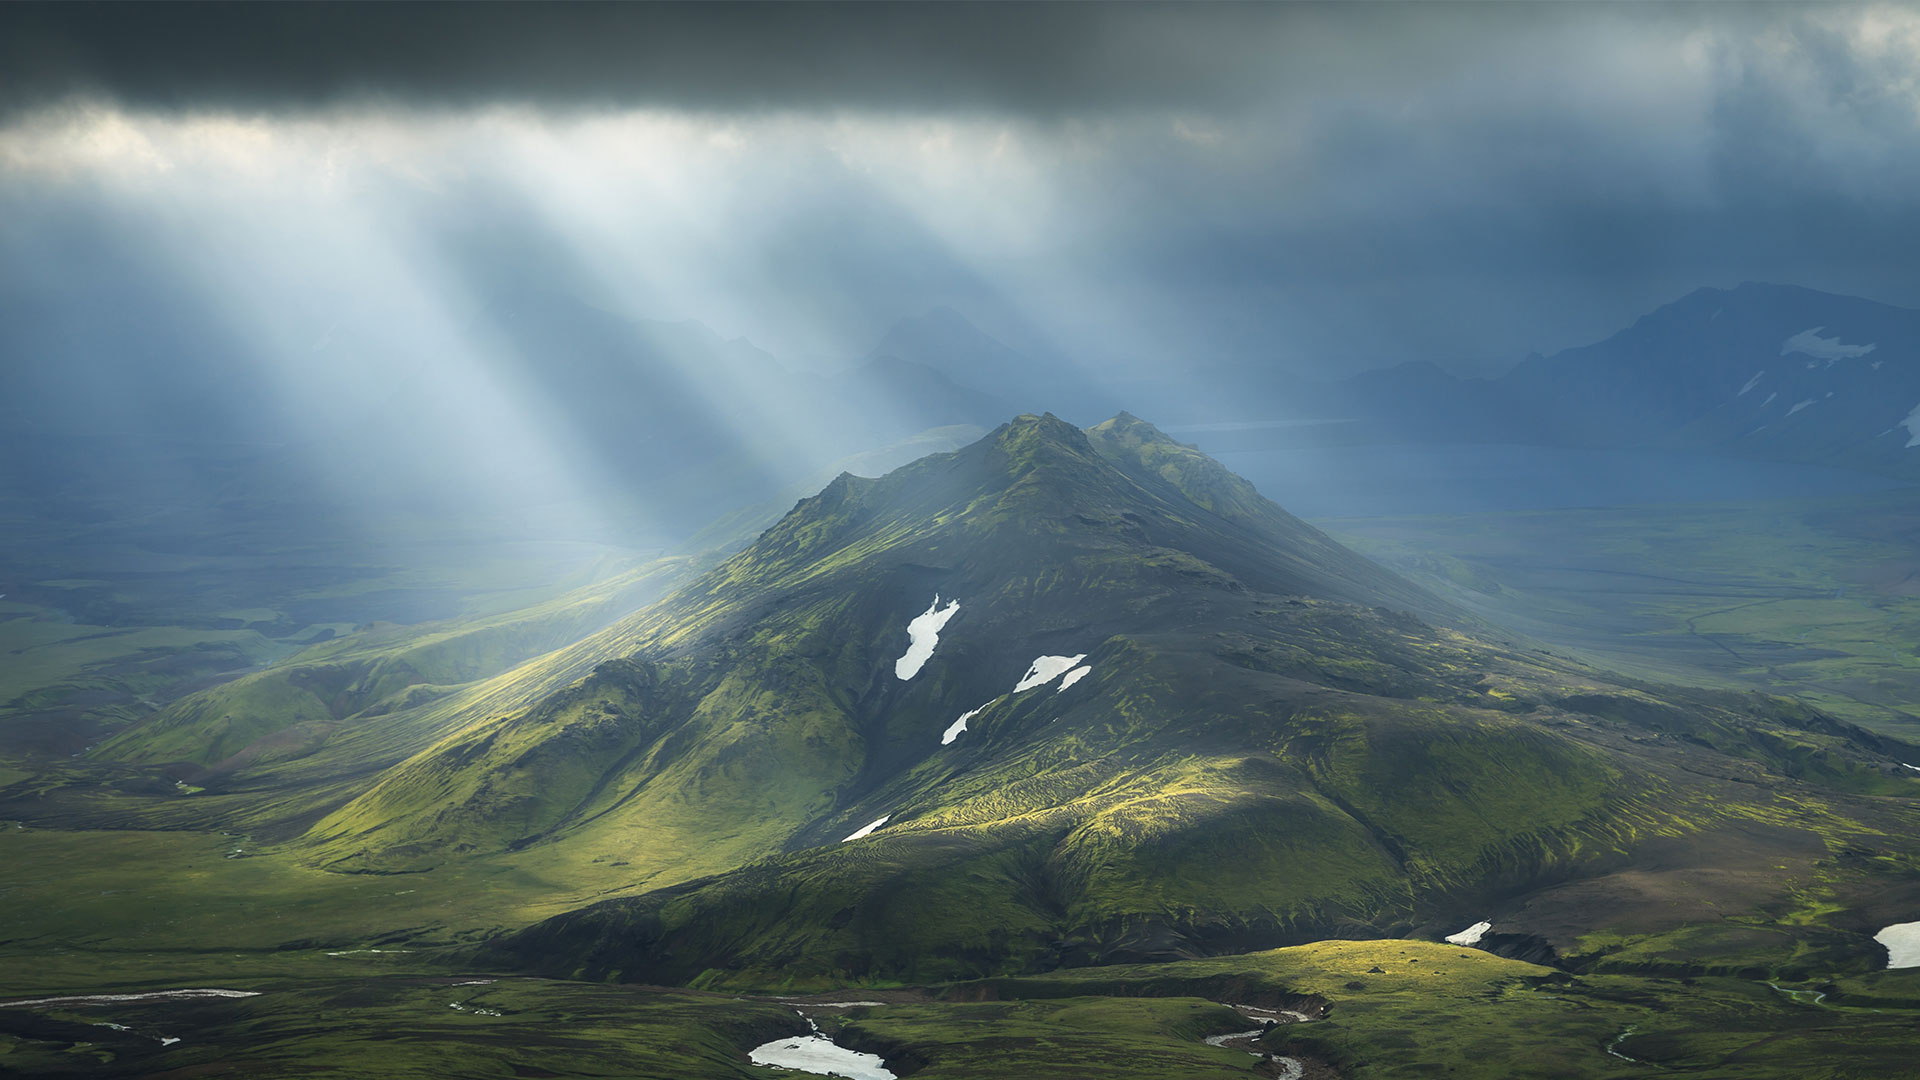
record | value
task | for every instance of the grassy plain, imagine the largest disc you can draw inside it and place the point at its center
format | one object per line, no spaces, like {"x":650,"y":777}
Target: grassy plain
{"x":1818,"y":599}
{"x":1390,"y":1008}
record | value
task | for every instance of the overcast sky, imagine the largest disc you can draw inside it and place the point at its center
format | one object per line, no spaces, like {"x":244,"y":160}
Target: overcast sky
{"x":1315,"y":189}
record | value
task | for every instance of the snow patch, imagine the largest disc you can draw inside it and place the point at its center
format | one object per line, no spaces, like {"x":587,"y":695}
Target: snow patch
{"x":923,"y":633}
{"x":866,"y":829}
{"x":1045,"y":669}
{"x":1810,"y":343}
{"x":1471,"y":935}
{"x":1800,"y":406}
{"x":1769,"y":400}
{"x":955,"y":729}
{"x":1074,"y":676}
{"x":1751,"y":383}
{"x":821,"y":1055}
{"x":1912,"y":424}
{"x":1903,"y":944}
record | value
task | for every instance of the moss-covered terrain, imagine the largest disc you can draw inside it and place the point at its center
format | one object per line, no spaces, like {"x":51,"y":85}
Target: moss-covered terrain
{"x":1284,"y":768}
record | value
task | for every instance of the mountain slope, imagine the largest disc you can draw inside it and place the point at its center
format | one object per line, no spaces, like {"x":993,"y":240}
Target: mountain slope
{"x":1030,"y":513}
{"x":1165,"y":719}
{"x":1728,"y":367}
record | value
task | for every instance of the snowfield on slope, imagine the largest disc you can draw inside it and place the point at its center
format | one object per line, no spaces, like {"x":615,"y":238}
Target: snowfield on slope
{"x":818,"y":1054}
{"x":1045,"y":669}
{"x":923,"y":633}
{"x":1903,"y":944}
{"x":1810,"y":343}
{"x":958,"y":727}
{"x":1471,"y":935}
{"x":867,"y":829}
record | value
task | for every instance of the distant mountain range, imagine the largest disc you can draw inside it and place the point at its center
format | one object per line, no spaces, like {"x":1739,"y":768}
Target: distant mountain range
{"x":1774,"y":372}
{"x":667,"y":427}
{"x":1766,"y":371}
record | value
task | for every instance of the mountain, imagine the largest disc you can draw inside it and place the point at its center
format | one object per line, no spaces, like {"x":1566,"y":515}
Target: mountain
{"x":1771,"y":370}
{"x":680,"y":736}
{"x":1065,"y":697}
{"x":1062,"y":728}
{"x":1767,"y":371}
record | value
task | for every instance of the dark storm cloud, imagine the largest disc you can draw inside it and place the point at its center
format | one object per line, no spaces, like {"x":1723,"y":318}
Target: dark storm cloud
{"x":698,"y":55}
{"x":1319,"y":187}
{"x":1038,"y":58}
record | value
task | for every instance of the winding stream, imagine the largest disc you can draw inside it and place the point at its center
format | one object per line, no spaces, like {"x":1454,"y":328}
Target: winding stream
{"x":111,"y":999}
{"x":1290,"y":1068}
{"x":1617,"y":1040}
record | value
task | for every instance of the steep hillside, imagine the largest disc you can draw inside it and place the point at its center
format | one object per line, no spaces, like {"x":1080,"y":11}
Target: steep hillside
{"x":1065,"y":697}
{"x":1043,"y":537}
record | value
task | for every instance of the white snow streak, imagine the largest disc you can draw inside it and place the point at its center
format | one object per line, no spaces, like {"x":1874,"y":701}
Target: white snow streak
{"x":955,"y":729}
{"x":863,"y":830}
{"x":1073,"y":676}
{"x":1903,"y":944}
{"x":1751,"y":383}
{"x":1810,"y":343}
{"x":1471,"y":935}
{"x":819,"y":1054}
{"x":1045,"y":669}
{"x":1800,"y":406}
{"x":923,"y":633}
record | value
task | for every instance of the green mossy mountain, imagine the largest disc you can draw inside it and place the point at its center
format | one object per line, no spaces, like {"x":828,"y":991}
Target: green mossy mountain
{"x":1276,"y":741}
{"x":769,"y":699}
{"x":1284,"y":774}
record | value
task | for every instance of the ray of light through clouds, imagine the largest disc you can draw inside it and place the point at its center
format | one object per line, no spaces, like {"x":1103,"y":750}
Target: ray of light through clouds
{"x":1304,"y":191}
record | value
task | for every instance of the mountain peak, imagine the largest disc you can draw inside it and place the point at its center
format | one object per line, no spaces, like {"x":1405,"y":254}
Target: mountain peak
{"x":1030,"y":443}
{"x":1126,"y":429}
{"x":1032,"y":429}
